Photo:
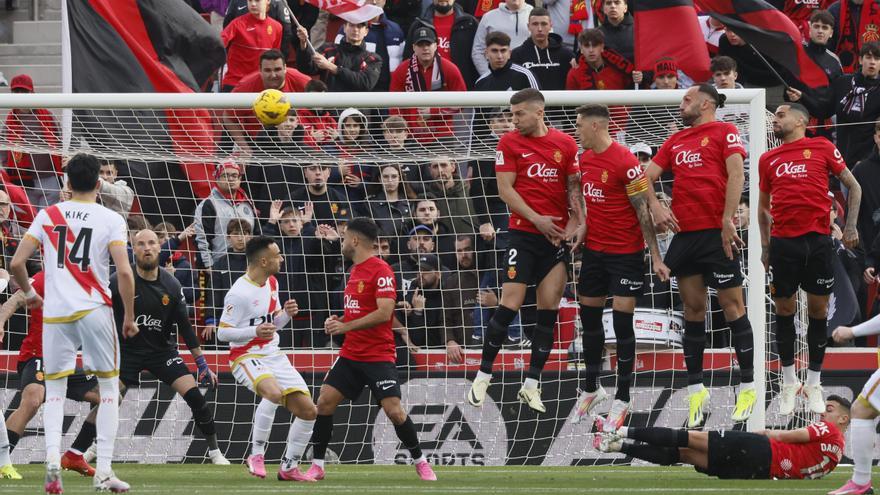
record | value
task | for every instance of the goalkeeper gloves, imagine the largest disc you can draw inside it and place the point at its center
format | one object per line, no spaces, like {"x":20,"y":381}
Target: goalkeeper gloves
{"x":206,"y":376}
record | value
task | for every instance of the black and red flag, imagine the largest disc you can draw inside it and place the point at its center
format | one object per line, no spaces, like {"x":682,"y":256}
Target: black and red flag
{"x":144,"y":46}
{"x":669,"y":28}
{"x":771,"y":33}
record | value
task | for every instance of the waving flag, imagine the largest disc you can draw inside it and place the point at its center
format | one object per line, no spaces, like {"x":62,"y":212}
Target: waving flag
{"x":353,"y":11}
{"x":653,"y":21}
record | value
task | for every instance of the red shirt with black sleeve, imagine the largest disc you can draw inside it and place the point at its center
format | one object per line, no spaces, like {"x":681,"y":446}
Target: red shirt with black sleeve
{"x":245,"y":39}
{"x":367,"y":282}
{"x":32,"y":345}
{"x":810,"y":460}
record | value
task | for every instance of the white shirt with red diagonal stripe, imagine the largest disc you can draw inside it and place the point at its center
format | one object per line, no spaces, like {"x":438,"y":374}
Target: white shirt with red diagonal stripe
{"x":76,"y":238}
{"x":245,"y":307}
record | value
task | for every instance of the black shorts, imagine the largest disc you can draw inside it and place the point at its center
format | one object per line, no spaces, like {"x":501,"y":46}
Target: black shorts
{"x":530,"y":257}
{"x":166,"y":366}
{"x":739,"y":455}
{"x":700,"y":253}
{"x":804,"y":261}
{"x":616,"y":274}
{"x":78,"y":384}
{"x":350,"y":378}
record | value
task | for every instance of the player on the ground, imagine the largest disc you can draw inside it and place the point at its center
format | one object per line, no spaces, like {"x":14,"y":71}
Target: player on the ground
{"x":159,"y":307}
{"x":367,"y":356}
{"x":865,"y":410}
{"x":78,"y":238}
{"x":706,"y":159}
{"x":252,"y":316}
{"x":33,"y":386}
{"x":799,"y":249}
{"x":805,"y":453}
{"x":538,"y":179}
{"x":619,"y":222}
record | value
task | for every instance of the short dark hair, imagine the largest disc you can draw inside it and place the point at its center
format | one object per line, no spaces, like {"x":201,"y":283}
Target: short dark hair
{"x":272,"y":54}
{"x":822,"y":16}
{"x":364,"y":227}
{"x":840,"y":400}
{"x":592,"y":36}
{"x":499,"y":38}
{"x":255,"y":246}
{"x":722,"y":63}
{"x":316,"y":86}
{"x":82,"y":172}
{"x":539,"y":12}
{"x":710,"y":91}
{"x":527,"y":95}
{"x":239,"y":226}
{"x":593,"y":110}
{"x":871,"y":48}
{"x":799,"y":108}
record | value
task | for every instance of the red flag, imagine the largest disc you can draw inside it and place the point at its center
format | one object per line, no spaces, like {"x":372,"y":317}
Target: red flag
{"x":770,"y":32}
{"x":653,"y":21}
{"x":353,"y":11}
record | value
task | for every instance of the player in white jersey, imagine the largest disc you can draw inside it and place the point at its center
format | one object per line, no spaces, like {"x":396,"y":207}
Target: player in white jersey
{"x":78,"y":238}
{"x":250,"y":322}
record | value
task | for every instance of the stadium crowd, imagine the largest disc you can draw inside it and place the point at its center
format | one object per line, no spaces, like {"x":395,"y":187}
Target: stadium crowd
{"x":443,"y":224}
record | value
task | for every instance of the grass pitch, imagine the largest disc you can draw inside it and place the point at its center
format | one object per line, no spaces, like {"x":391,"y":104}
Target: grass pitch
{"x":193,"y":479}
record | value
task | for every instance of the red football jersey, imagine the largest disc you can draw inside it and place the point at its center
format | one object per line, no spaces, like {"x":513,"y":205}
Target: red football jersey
{"x":367,"y":282}
{"x":612,"y":224}
{"x":294,"y":82}
{"x":810,"y":460}
{"x":696,"y":156}
{"x":795,"y":175}
{"x":542,"y":166}
{"x":443,"y":27}
{"x":32,"y":345}
{"x":245,"y":39}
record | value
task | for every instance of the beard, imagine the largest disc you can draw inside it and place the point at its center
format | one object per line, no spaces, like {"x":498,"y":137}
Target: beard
{"x":147,"y":265}
{"x":688,"y":119}
{"x":443,"y":9}
{"x":780,"y":133}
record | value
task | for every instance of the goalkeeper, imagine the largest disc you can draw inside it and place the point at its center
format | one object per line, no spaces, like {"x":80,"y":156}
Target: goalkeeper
{"x":805,"y":453}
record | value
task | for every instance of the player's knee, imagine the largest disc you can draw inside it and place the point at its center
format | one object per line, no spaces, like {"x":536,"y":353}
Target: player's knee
{"x":306,"y":410}
{"x":820,"y":313}
{"x":396,"y":415}
{"x":325,"y":406}
{"x":694,"y":314}
{"x":273,"y":395}
{"x":31,"y":400}
{"x":194,"y":399}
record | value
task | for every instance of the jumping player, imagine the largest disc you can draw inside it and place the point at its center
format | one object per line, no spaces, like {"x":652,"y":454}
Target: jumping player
{"x":613,"y":260}
{"x":706,"y":160}
{"x":799,"y":248}
{"x":538,"y":179}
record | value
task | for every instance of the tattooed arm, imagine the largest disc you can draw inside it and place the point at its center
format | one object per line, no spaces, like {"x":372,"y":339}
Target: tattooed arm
{"x":577,"y":227}
{"x":854,"y":200}
{"x":639,"y":198}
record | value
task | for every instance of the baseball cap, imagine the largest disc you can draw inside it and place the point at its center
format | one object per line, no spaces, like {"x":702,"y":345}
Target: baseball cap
{"x":22,"y":81}
{"x":425,"y":34}
{"x":640,"y":148}
{"x":421,"y":230}
{"x":665,"y":66}
{"x":224,"y":165}
{"x":429,"y":262}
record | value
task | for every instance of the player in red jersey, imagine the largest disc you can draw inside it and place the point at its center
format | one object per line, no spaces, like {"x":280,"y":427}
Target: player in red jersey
{"x":538,"y":178}
{"x":617,"y":196}
{"x":805,"y":453}
{"x":798,"y":250}
{"x":367,"y":356}
{"x":706,"y":160}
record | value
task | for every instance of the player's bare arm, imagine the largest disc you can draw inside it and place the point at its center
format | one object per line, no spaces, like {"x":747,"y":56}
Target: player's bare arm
{"x":125,"y":281}
{"x":854,"y":199}
{"x":383,"y":313}
{"x":663,"y":217}
{"x":730,"y":241}
{"x":18,"y":267}
{"x":518,"y":205}
{"x":764,"y":222}
{"x":8,"y":309}
{"x":639,"y":198}
{"x":576,"y":228}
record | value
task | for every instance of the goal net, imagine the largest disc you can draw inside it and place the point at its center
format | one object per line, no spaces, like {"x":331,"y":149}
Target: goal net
{"x":339,"y":156}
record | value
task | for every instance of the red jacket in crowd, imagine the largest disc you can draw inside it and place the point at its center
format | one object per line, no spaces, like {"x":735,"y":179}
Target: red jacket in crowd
{"x":428,"y":124}
{"x":18,"y":164}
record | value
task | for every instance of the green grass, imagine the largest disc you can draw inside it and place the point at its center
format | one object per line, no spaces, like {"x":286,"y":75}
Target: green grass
{"x":191,"y":479}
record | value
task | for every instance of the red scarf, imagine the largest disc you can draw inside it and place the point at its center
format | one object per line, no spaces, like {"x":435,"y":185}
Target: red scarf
{"x":19,"y":164}
{"x":851,"y":39}
{"x":484,"y":6}
{"x":579,"y":12}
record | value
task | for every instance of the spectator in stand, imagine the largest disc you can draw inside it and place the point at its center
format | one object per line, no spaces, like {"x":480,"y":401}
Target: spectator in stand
{"x":512,"y":19}
{"x":503,"y":74}
{"x":353,"y":141}
{"x":396,"y":143}
{"x":488,"y":207}
{"x":724,"y":73}
{"x":427,"y":71}
{"x":647,"y":122}
{"x":227,"y":269}
{"x":276,"y":9}
{"x":570,"y":17}
{"x":388,"y":202}
{"x":22,"y":209}
{"x":855,"y":24}
{"x":226,"y":202}
{"x":428,"y":214}
{"x":114,"y":193}
{"x":273,"y":73}
{"x":643,"y":152}
{"x":37,"y":173}
{"x":455,"y":30}
{"x":420,"y":241}
{"x":665,"y":74}
{"x":11,"y":233}
{"x":543,"y":52}
{"x":713,"y":31}
{"x":618,"y":28}
{"x":175,"y":260}
{"x":424,"y":318}
{"x":867,"y":173}
{"x":245,"y":39}
{"x":403,"y":12}
{"x":593,"y":71}
{"x":452,"y":199}
{"x":800,"y":12}
{"x":460,"y":287}
{"x":386,"y":39}
{"x":326,"y":201}
{"x":319,"y":125}
{"x":344,"y":66}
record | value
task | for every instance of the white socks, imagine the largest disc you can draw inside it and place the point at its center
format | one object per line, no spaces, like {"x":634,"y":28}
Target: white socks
{"x":298,"y":439}
{"x":530,"y":384}
{"x":789,"y":375}
{"x":487,"y":376}
{"x":747,"y":386}
{"x":107,"y":422}
{"x":693,"y":389}
{"x":53,"y":417}
{"x":4,"y":443}
{"x":861,"y":439}
{"x":813,"y":378}
{"x":264,"y":417}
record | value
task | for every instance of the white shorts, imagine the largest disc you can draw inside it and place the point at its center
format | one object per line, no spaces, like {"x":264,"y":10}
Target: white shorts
{"x":871,"y":391}
{"x":251,"y":369}
{"x":95,"y":333}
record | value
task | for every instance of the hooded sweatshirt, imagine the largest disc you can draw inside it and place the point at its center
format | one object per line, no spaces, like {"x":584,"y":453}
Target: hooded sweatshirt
{"x":514,"y":24}
{"x":549,"y":65}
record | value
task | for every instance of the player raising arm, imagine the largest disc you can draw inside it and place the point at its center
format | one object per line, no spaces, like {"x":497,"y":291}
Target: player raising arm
{"x":799,"y":249}
{"x":618,"y":223}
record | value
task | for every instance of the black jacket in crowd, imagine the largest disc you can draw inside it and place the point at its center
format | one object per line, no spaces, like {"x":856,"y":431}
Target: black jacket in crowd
{"x":278,"y":10}
{"x":224,"y":273}
{"x":358,"y":68}
{"x":549,"y":65}
{"x":327,"y":205}
{"x":510,"y":77}
{"x":620,"y":38}
{"x":855,"y":122}
{"x":392,"y":217}
{"x":867,"y":173}
{"x":464,"y":28}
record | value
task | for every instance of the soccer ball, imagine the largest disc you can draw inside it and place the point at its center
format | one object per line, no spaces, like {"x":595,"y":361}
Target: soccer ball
{"x":271,"y":107}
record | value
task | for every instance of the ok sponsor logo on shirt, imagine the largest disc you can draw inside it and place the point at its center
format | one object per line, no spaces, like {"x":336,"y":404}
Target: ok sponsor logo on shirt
{"x":792,"y":169}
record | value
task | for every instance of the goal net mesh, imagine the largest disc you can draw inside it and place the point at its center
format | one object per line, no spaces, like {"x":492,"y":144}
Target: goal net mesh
{"x":168,"y":157}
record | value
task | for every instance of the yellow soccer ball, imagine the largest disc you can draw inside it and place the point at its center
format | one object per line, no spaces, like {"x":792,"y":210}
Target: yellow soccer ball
{"x":271,"y":107}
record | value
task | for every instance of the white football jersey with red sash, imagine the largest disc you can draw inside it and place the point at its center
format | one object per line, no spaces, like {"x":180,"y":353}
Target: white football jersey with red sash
{"x":247,"y":305}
